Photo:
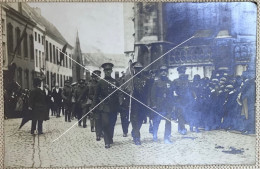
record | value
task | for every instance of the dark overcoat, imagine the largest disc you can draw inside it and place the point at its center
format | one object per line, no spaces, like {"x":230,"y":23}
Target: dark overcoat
{"x":37,"y":101}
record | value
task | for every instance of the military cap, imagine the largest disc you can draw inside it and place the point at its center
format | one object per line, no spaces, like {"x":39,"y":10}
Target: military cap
{"x":81,"y":81}
{"x":181,"y":69}
{"x":223,"y":79}
{"x":74,"y":83}
{"x":137,"y":65}
{"x":96,"y":73}
{"x":214,"y":80}
{"x":107,"y":66}
{"x":229,"y":86}
{"x":163,"y":67}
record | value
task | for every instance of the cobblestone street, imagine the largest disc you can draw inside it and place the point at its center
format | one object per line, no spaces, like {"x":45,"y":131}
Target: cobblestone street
{"x":78,"y":147}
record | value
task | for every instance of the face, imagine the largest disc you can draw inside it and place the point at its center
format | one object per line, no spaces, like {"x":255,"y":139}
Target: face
{"x":107,"y":72}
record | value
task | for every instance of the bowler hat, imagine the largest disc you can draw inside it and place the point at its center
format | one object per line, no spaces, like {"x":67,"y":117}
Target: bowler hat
{"x":137,"y":65}
{"x":81,"y":81}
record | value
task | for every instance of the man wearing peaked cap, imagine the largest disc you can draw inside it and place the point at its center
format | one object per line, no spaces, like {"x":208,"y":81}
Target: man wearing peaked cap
{"x":107,"y":66}
{"x":66,"y":95}
{"x":109,"y":105}
{"x":161,"y":101}
{"x":79,"y":100}
{"x":96,"y":73}
{"x":138,"y":110}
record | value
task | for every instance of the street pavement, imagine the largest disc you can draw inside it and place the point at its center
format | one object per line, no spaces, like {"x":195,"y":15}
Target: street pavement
{"x":78,"y":147}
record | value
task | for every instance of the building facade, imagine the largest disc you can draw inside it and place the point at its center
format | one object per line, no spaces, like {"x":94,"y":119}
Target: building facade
{"x":230,"y":44}
{"x":19,"y":53}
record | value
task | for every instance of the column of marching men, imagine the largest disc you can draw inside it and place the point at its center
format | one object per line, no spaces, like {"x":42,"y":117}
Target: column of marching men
{"x":220,"y":102}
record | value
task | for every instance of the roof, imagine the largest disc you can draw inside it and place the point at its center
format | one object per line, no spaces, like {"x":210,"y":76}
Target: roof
{"x":51,"y":30}
{"x":97,"y":59}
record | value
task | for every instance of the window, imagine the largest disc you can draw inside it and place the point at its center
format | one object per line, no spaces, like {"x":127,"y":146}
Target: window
{"x":32,"y":73}
{"x":50,"y":52}
{"x":66,"y":60}
{"x":47,"y":50}
{"x":31,"y":48}
{"x":57,"y":55}
{"x":25,"y":46}
{"x":116,"y":75}
{"x":58,"y":79}
{"x":39,"y":38}
{"x":35,"y":36}
{"x":18,"y":35}
{"x":61,"y":82}
{"x":10,"y":38}
{"x":42,"y":40}
{"x":40,"y":59}
{"x":3,"y":26}
{"x":48,"y":76}
{"x":36,"y":58}
{"x":54,"y":57}
{"x":70,"y":61}
{"x":4,"y":55}
{"x":26,"y":77}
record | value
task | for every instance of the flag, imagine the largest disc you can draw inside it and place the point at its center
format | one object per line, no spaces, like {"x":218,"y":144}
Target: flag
{"x":19,"y":42}
{"x":62,"y":54}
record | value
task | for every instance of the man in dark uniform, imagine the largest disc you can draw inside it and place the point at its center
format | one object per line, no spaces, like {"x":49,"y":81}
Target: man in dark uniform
{"x":56,"y":95}
{"x":124,"y":101}
{"x":181,"y":89}
{"x":137,"y":110}
{"x":66,"y":96}
{"x":161,"y":101}
{"x":48,"y":96}
{"x":80,"y":101}
{"x":109,"y":106}
{"x":91,"y":92}
{"x":96,"y":115}
{"x":73,"y":100}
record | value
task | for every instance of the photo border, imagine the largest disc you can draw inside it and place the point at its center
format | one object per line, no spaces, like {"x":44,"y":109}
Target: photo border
{"x":257,"y":107}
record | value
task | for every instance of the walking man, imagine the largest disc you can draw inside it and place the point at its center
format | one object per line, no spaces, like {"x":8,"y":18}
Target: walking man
{"x":109,"y":106}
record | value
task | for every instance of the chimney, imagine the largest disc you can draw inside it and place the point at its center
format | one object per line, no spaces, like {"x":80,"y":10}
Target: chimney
{"x":38,"y":10}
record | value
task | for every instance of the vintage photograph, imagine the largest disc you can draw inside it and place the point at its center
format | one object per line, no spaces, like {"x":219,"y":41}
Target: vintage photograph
{"x":129,"y":84}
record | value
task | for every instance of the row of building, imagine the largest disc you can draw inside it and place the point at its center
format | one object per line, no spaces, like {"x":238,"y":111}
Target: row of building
{"x":38,"y":52}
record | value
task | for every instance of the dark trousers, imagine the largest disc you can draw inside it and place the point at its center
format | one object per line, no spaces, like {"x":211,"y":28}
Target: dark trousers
{"x":78,"y":111}
{"x":108,"y":125}
{"x":98,"y":124}
{"x":136,"y":121}
{"x":33,"y":127}
{"x":67,"y":114}
{"x":124,"y":114}
{"x":156,"y":122}
{"x":85,"y":110}
{"x":180,"y":117}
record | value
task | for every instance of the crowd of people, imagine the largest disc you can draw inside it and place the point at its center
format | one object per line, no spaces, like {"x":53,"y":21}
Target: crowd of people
{"x":220,"y":102}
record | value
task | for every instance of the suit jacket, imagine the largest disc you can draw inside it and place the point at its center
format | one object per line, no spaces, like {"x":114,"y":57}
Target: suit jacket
{"x":57,"y":96}
{"x":37,"y":101}
{"x":103,"y":89}
{"x":48,"y":95}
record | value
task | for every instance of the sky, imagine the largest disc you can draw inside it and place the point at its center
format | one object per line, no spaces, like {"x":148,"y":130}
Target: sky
{"x":100,"y":25}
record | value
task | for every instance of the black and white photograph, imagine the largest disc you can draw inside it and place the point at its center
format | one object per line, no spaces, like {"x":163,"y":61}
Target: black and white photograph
{"x":125,"y":84}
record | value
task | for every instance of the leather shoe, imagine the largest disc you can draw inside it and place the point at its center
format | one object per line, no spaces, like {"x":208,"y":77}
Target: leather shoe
{"x":107,"y":146}
{"x":98,"y":139}
{"x":40,"y":133}
{"x":125,"y":135}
